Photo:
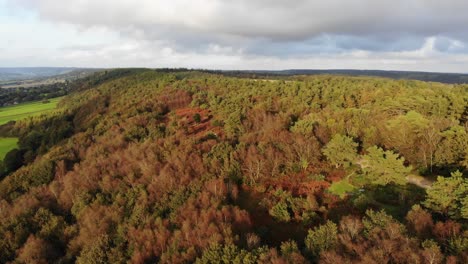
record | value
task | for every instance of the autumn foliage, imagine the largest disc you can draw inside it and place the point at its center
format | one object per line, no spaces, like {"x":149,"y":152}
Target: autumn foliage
{"x":145,"y":166}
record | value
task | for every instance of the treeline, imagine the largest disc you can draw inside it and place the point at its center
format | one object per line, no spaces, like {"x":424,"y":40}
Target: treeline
{"x":147,"y":166}
{"x":451,"y":78}
{"x":12,"y":96}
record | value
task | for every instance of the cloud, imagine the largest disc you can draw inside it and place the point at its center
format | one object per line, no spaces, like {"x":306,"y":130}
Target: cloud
{"x":272,"y":19}
{"x":252,"y":32}
{"x":303,"y":25}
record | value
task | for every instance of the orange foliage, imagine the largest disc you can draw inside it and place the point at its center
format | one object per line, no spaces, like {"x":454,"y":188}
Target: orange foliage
{"x":174,"y":99}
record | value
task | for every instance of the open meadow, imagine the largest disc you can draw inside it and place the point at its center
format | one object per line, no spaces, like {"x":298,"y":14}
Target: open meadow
{"x":20,"y":111}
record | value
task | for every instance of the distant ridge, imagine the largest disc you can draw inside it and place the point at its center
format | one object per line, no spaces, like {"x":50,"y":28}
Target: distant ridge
{"x":451,"y":78}
{"x":23,"y":73}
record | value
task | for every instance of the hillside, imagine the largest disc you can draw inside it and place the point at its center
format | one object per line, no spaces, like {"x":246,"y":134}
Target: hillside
{"x":162,"y":166}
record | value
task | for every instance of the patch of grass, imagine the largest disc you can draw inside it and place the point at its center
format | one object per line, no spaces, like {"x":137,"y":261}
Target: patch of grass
{"x":7,"y":144}
{"x":340,"y":188}
{"x":20,"y":111}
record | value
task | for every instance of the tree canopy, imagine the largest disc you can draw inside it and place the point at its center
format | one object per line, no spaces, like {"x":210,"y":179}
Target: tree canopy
{"x":180,"y":166}
{"x":448,"y":195}
{"x":383,"y":167}
{"x":341,"y":150}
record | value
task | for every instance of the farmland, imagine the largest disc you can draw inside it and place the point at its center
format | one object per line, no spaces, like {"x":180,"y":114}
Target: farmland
{"x":20,"y":111}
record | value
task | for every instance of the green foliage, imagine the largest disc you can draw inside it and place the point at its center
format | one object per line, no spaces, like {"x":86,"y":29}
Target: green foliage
{"x":13,"y":160}
{"x":321,"y":238}
{"x":40,"y":173}
{"x":448,"y":195}
{"x":378,"y":220}
{"x":32,"y":141}
{"x":362,"y":201}
{"x":316,"y":177}
{"x":453,"y":148}
{"x":217,"y":123}
{"x":280,"y":212}
{"x":291,"y":253}
{"x":96,"y":252}
{"x":197,"y":117}
{"x":284,"y":207}
{"x":50,"y":226}
{"x":341,"y":150}
{"x":383,"y":167}
{"x":305,"y":126}
{"x":230,"y":254}
{"x":289,"y":247}
{"x":459,"y":244}
{"x":21,"y":181}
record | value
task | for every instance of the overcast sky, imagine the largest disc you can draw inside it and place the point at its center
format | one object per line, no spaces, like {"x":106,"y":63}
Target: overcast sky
{"x":426,"y":35}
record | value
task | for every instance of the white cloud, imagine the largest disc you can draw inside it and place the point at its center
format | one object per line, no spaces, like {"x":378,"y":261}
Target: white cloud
{"x":247,"y":34}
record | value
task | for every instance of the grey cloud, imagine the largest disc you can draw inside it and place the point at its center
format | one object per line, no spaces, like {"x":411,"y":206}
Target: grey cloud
{"x":272,"y":27}
{"x":331,"y":44}
{"x":444,"y":44}
{"x":279,"y":20}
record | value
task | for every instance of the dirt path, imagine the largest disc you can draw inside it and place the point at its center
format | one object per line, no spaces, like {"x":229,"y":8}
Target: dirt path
{"x":419,"y":181}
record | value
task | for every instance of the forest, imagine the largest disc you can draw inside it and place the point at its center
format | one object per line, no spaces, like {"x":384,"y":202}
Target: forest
{"x":181,"y":166}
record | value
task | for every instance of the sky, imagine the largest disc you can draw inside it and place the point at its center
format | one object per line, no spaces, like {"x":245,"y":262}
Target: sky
{"x":416,"y":35}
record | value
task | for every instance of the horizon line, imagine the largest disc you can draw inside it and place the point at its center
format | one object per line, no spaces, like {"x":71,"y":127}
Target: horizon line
{"x":230,"y":70}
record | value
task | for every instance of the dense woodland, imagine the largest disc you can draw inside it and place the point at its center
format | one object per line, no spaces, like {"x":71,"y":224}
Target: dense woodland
{"x":147,"y":166}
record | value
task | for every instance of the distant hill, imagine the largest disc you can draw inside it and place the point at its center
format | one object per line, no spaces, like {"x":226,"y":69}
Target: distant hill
{"x":69,"y":73}
{"x":24,"y":73}
{"x":19,"y":85}
{"x":450,"y":78}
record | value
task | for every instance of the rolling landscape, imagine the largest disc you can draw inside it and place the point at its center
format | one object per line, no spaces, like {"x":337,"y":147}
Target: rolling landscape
{"x":233,"y":132}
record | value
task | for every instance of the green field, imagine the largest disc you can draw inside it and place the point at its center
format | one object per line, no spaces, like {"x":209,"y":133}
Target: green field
{"x":7,"y":144}
{"x":20,"y":111}
{"x":341,"y":188}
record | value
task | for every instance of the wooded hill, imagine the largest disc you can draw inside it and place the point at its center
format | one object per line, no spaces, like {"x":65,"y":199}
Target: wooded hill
{"x":146,"y":166}
{"x":451,"y":78}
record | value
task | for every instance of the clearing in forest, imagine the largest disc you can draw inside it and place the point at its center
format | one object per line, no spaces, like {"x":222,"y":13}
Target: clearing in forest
{"x":7,"y":144}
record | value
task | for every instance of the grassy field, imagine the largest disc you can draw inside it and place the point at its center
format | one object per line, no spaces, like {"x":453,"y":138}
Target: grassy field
{"x":20,"y":111}
{"x":7,"y":144}
{"x":341,"y":188}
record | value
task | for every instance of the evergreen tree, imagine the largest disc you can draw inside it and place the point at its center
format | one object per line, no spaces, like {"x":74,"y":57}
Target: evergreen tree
{"x":341,"y":150}
{"x":383,"y":167}
{"x":448,"y":196}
